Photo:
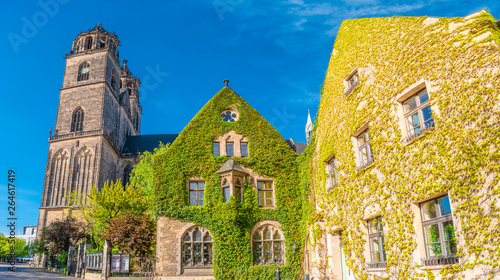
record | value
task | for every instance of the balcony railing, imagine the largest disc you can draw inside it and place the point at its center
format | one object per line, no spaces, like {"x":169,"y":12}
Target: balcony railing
{"x":129,"y":155}
{"x":75,"y":134}
{"x":79,"y":52}
{"x":350,"y":88}
{"x":442,"y":260}
{"x":428,"y":125}
{"x":365,"y":163}
{"x":377,"y":264}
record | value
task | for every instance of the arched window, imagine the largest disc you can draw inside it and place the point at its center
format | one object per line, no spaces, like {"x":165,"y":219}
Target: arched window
{"x":197,"y":248}
{"x":84,"y":71}
{"x":113,"y":79}
{"x":102,"y":43}
{"x":88,"y":43}
{"x":126,"y":174}
{"x":268,"y":245}
{"x":77,"y":120}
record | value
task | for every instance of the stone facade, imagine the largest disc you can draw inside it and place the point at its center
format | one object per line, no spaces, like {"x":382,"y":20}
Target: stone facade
{"x":80,"y":157}
{"x":409,"y":113}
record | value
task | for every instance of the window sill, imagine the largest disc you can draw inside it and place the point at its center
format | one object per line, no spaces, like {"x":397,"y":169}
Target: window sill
{"x":439,"y":263}
{"x":382,"y":269}
{"x":410,"y":139}
{"x":329,"y":189}
{"x":377,"y":266}
{"x":365,"y":165}
{"x":349,"y":90}
{"x":267,"y":207}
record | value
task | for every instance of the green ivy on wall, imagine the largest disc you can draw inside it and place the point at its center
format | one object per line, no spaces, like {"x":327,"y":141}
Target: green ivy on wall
{"x":230,"y":224}
{"x":460,"y":156}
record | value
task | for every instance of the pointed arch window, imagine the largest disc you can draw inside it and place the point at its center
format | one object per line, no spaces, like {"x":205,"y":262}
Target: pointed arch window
{"x":197,"y":248}
{"x":77,"y":120}
{"x":268,"y":245}
{"x":83,"y":71}
{"x":126,"y":174}
{"x":113,"y":79}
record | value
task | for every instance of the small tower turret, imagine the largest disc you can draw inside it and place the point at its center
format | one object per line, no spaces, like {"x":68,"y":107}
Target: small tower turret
{"x":309,"y":127}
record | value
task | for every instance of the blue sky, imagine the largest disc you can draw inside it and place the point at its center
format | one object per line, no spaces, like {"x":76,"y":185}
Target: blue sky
{"x":275,"y":54}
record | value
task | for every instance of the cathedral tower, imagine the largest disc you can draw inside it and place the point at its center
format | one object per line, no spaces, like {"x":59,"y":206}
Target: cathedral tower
{"x":98,"y":109}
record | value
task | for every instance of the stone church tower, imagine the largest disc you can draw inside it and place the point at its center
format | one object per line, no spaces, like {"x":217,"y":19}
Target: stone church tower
{"x":98,"y":110}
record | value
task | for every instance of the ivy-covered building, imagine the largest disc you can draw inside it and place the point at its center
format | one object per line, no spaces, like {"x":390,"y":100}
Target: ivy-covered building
{"x":405,"y":160}
{"x":228,"y":197}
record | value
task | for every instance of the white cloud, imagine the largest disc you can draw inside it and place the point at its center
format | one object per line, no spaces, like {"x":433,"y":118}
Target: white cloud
{"x":299,"y":24}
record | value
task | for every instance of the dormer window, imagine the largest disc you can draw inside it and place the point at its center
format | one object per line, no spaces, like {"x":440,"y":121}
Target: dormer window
{"x":233,"y":178}
{"x":226,"y":190}
{"x":351,"y":82}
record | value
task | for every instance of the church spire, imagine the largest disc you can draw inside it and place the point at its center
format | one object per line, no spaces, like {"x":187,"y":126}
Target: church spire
{"x":309,"y":127}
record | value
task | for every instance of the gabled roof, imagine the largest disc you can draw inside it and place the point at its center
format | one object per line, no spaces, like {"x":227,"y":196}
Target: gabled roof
{"x":143,"y":143}
{"x":230,"y":165}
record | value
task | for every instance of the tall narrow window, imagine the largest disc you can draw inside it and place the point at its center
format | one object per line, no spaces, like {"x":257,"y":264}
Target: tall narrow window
{"x":83,"y":71}
{"x":265,"y":193}
{"x":77,"y":120}
{"x":331,"y":170}
{"x":268,"y":245}
{"x":102,"y":42}
{"x":226,"y":190}
{"x":244,"y":149}
{"x":196,"y":193}
{"x":365,"y":153}
{"x":439,"y":233}
{"x":376,"y":236}
{"x":230,"y":149}
{"x":113,"y":79}
{"x":126,"y":174}
{"x":216,"y":149}
{"x":137,"y":122}
{"x":238,"y":190}
{"x":418,"y":115}
{"x":88,"y":43}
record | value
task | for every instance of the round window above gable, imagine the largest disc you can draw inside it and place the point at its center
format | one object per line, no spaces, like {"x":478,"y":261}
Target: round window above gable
{"x":229,"y":115}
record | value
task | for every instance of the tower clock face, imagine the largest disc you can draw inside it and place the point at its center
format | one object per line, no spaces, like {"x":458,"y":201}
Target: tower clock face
{"x":85,"y":70}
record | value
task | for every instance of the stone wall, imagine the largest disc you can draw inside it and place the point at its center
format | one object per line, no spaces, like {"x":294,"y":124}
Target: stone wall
{"x":168,"y":246}
{"x":453,"y":61}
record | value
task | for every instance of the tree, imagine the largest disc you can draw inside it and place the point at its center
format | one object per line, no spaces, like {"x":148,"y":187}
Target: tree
{"x":132,"y":233}
{"x":143,"y":173}
{"x":6,"y":245}
{"x":56,"y":238}
{"x":107,"y":203}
